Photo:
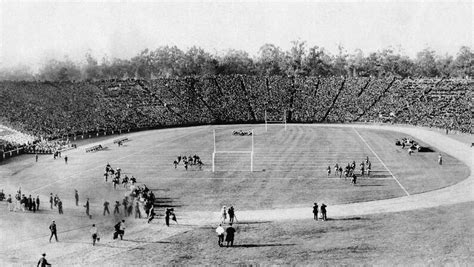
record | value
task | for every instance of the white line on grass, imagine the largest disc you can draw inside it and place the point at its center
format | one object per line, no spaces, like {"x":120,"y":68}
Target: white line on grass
{"x":112,"y":161}
{"x":381,"y":161}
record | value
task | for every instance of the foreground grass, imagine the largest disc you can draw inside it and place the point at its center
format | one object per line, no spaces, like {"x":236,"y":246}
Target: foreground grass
{"x":437,"y":236}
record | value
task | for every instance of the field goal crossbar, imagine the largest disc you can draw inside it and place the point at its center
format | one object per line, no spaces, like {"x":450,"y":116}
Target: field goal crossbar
{"x":232,"y":152}
{"x":267,"y":121}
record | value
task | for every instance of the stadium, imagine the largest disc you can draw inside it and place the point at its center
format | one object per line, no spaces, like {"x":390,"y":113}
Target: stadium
{"x":321,"y":164}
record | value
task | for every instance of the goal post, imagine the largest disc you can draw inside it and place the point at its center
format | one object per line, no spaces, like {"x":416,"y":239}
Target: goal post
{"x":271,"y":120}
{"x":217,"y":151}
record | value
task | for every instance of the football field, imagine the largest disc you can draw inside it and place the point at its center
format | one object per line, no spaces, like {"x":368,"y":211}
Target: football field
{"x":289,"y":170}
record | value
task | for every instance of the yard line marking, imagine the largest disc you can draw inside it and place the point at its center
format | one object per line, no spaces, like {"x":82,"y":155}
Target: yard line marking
{"x":381,"y":161}
{"x":112,"y":161}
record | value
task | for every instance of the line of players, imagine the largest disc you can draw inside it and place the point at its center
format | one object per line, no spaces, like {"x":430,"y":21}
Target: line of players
{"x":116,"y":175}
{"x":349,"y":171}
{"x":188,"y":161}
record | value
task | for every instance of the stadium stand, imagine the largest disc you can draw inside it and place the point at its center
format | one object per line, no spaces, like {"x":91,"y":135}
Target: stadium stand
{"x":57,"y":110}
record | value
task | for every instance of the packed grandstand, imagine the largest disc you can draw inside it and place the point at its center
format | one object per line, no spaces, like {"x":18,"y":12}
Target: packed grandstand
{"x":55,"y":110}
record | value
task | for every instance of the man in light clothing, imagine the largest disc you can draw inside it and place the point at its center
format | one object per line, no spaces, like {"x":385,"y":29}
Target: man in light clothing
{"x":220,"y":234}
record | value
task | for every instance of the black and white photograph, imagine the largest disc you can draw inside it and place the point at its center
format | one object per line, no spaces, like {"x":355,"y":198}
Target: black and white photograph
{"x":236,"y":133}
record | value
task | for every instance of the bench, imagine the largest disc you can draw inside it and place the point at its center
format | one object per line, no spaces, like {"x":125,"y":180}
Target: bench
{"x":94,"y":148}
{"x":120,"y":140}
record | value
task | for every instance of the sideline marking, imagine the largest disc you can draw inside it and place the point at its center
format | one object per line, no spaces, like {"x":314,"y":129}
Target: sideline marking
{"x":115,"y":160}
{"x":381,"y":161}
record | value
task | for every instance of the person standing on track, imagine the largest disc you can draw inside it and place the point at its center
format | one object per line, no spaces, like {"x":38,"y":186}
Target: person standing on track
{"x":323,"y":212}
{"x":37,"y":202}
{"x":220,"y":235}
{"x":224,"y":214}
{"x":315,"y":211}
{"x":76,"y":196}
{"x":231,"y":214}
{"x":230,"y":232}
{"x":53,"y":230}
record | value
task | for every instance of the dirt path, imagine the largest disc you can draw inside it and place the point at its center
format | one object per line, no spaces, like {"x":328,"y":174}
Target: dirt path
{"x":139,"y":233}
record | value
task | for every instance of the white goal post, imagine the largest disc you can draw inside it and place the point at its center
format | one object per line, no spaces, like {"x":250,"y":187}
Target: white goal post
{"x":251,"y":152}
{"x":267,"y":120}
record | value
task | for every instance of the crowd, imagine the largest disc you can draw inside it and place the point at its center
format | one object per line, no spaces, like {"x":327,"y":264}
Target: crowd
{"x":82,"y":108}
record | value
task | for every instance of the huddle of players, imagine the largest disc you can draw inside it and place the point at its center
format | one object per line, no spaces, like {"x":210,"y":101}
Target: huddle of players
{"x":350,"y":170}
{"x":188,"y":161}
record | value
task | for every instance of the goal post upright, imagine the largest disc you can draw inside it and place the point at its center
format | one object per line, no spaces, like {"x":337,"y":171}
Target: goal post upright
{"x":215,"y":152}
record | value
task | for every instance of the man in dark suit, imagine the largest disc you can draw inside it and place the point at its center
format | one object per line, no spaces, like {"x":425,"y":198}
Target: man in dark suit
{"x":229,"y":238}
{"x":53,"y":230}
{"x":315,"y":211}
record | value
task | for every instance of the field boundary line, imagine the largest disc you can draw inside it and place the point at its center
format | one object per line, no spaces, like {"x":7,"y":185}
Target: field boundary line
{"x":377,"y":156}
{"x":112,"y":161}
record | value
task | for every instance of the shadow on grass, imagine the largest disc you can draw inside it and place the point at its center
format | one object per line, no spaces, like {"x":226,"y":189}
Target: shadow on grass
{"x":146,"y":242}
{"x":251,"y":222}
{"x":365,"y":185}
{"x":348,"y":219}
{"x":261,"y":245}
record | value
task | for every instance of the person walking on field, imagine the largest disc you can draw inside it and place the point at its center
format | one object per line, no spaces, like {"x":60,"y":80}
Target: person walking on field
{"x":37,"y":202}
{"x":53,"y":230}
{"x":43,"y":262}
{"x":60,"y":206}
{"x":95,"y":234}
{"x":51,"y":200}
{"x":116,"y":209}
{"x":65,"y":159}
{"x":230,"y":231}
{"x":220,"y":235}
{"x":440,"y":159}
{"x":87,"y":209}
{"x":315,"y":211}
{"x":76,"y":196}
{"x":10,"y":203}
{"x":106,"y":207}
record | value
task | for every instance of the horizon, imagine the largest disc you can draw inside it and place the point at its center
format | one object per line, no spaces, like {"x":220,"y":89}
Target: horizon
{"x":35,"y":32}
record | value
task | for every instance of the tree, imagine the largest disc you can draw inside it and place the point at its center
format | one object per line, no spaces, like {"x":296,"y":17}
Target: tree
{"x":197,"y":61}
{"x":318,"y":62}
{"x":270,"y":60}
{"x":294,"y":59}
{"x":91,"y":70}
{"x":426,"y":63}
{"x":236,"y":62}
{"x":55,"y":70}
{"x":464,"y":63}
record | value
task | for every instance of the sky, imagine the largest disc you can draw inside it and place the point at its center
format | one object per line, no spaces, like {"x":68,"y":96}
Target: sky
{"x":32,"y":32}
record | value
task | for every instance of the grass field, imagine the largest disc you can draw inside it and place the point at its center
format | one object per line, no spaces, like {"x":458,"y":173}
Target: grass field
{"x":439,"y":236}
{"x":290,"y":171}
{"x":290,"y":168}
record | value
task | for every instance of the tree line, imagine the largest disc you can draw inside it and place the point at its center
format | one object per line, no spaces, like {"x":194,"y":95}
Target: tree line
{"x":299,"y":60}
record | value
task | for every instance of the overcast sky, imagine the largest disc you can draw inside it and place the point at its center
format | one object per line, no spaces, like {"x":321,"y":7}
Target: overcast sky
{"x":31,"y":32}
